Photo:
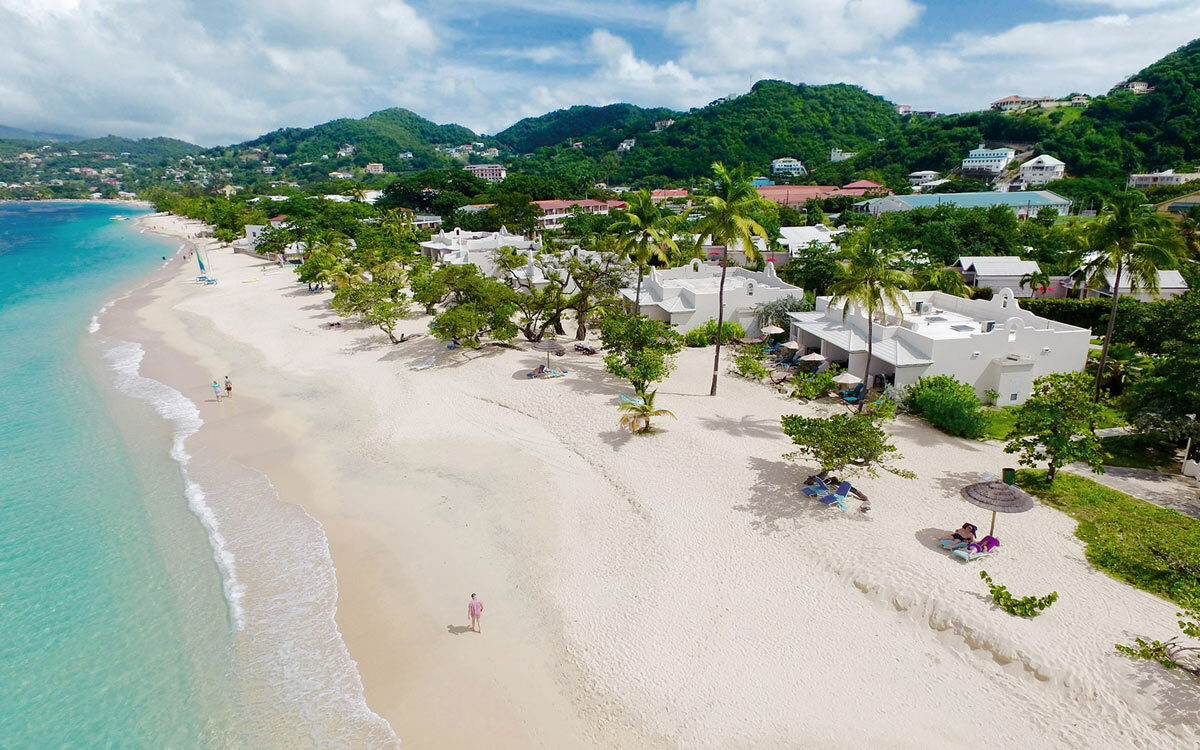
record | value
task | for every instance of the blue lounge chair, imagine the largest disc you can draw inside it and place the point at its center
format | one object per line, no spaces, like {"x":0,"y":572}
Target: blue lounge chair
{"x":820,"y":490}
{"x":853,"y":395}
{"x":951,"y":544}
{"x":838,"y":497}
{"x":789,"y":360}
{"x":771,"y":348}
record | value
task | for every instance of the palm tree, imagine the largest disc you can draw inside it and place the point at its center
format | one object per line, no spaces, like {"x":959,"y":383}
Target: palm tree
{"x":1189,"y":230}
{"x":1128,"y":242}
{"x":725,"y":210}
{"x":644,"y":230}
{"x":635,"y":417}
{"x":1036,"y":280}
{"x":945,"y":280}
{"x":869,"y":280}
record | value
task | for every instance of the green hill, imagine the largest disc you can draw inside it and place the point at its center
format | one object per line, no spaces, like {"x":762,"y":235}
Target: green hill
{"x":141,"y":148}
{"x":380,"y":137}
{"x":610,"y":125}
{"x":9,"y":133}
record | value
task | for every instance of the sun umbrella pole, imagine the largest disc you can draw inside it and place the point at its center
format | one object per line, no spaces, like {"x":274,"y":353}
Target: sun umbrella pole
{"x":992,"y":532}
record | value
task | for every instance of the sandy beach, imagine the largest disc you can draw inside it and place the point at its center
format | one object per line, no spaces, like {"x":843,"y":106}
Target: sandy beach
{"x":671,"y":590}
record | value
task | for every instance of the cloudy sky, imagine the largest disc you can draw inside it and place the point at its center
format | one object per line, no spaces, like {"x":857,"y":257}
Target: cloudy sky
{"x":220,"y":71}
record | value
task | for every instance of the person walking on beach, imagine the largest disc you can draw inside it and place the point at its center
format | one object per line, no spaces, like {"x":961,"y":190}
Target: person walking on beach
{"x":474,"y":611}
{"x":217,"y":390}
{"x":228,"y":387}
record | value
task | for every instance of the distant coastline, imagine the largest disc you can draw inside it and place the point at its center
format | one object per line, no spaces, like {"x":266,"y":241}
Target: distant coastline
{"x":135,"y":203}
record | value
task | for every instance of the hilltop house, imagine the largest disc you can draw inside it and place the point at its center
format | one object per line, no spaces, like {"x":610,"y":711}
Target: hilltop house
{"x":987,"y":163}
{"x":626,"y":145}
{"x":661,"y":125}
{"x":997,"y":272}
{"x":988,"y":344}
{"x":922,"y":177}
{"x":374,"y":168}
{"x":1010,"y":103}
{"x":489,"y":172}
{"x":1166,"y":177}
{"x":1024,"y":204}
{"x":789,"y":166}
{"x":836,"y":154}
{"x":1042,"y":169}
{"x":686,"y":296}
{"x":903,"y":109}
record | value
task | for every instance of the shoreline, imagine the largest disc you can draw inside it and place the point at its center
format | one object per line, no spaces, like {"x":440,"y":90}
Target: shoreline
{"x":657,"y":592}
{"x":134,"y":202}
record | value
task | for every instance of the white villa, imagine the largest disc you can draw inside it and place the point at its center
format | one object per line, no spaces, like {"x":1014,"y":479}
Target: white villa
{"x":1166,"y":177}
{"x":997,"y":272}
{"x":836,"y":154}
{"x":789,"y":166}
{"x":1170,"y":284}
{"x":686,"y":296}
{"x":1042,"y":169}
{"x":797,"y":239}
{"x":989,"y":344}
{"x":987,"y":162}
{"x":489,"y":172}
{"x":922,"y":177}
{"x":458,"y":247}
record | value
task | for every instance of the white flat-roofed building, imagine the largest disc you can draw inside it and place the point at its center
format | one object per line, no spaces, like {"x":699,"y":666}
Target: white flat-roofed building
{"x":1166,"y":177}
{"x":988,"y":344}
{"x":1042,"y":169}
{"x":374,"y":168}
{"x":987,"y":162}
{"x":997,"y":272}
{"x":797,"y":239}
{"x":489,"y":172}
{"x":627,"y":145}
{"x":789,"y":166}
{"x":686,"y":296}
{"x":836,"y":154}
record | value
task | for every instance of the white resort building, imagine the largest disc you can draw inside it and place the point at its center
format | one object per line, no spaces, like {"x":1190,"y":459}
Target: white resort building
{"x":489,"y":172}
{"x":988,"y":344}
{"x":997,"y":272}
{"x":458,"y":247}
{"x":922,"y":177}
{"x":1042,"y":169}
{"x":789,"y":166}
{"x":687,"y":296}
{"x":797,"y":239}
{"x":1166,"y":177}
{"x":987,"y":162}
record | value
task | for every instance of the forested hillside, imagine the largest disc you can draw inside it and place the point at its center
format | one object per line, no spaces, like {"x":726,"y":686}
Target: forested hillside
{"x":606,"y":126}
{"x":380,"y":137}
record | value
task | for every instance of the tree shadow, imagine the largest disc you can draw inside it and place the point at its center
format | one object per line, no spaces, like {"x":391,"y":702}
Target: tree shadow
{"x":1174,"y":691}
{"x":776,"y":497}
{"x":746,"y":426}
{"x":925,"y":434}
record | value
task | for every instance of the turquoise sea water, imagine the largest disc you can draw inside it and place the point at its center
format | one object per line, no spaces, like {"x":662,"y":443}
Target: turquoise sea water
{"x":148,"y":598}
{"x":108,"y":636}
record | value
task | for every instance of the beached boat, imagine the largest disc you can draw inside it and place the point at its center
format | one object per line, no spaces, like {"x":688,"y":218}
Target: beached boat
{"x":118,"y":218}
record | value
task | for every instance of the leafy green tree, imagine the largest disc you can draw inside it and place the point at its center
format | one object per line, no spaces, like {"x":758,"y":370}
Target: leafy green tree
{"x":635,"y":417}
{"x":815,"y":270}
{"x":870,"y":281}
{"x":775,"y":312}
{"x":725,"y":207}
{"x":475,"y":305}
{"x":645,"y":235}
{"x":843,"y":443}
{"x":1128,"y":242}
{"x":378,"y":300}
{"x":638,"y":349}
{"x":1055,"y":425}
{"x":595,"y":281}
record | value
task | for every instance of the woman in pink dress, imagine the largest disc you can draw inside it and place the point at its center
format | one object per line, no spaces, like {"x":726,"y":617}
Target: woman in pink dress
{"x":474,"y":610}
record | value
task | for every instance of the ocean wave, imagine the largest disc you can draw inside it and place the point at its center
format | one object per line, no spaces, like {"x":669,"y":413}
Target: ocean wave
{"x":125,"y":359}
{"x":94,"y":325}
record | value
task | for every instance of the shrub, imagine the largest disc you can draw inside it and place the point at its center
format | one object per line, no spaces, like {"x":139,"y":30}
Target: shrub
{"x":731,"y":330}
{"x":776,"y":312}
{"x":811,"y":385}
{"x":748,"y":364}
{"x":696,"y":338}
{"x":843,"y":442}
{"x":1171,"y":654}
{"x":1026,"y":606}
{"x":949,"y":405}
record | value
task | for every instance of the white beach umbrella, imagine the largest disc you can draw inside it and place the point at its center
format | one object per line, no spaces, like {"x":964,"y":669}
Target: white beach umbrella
{"x":845,"y":378}
{"x":772,"y":330}
{"x":813,"y":357}
{"x":791,"y":345}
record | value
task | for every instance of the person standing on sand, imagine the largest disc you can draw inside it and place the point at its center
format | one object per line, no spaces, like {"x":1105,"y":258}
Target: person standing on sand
{"x":217,"y":390}
{"x":228,"y":387}
{"x":474,"y":611}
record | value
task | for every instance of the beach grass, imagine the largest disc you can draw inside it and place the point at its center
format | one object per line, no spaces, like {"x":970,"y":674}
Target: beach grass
{"x":1000,"y":421}
{"x":1153,"y":548}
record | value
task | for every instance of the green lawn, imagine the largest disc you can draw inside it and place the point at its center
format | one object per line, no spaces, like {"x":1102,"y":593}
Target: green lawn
{"x":1002,"y":419}
{"x":1152,"y":548}
{"x":1138,"y":452}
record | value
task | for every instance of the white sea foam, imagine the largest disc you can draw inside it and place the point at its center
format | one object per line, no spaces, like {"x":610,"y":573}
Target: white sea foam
{"x":125,"y":359}
{"x":94,"y":325}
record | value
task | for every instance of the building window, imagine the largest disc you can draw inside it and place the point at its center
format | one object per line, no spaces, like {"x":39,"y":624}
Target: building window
{"x":1012,"y":397}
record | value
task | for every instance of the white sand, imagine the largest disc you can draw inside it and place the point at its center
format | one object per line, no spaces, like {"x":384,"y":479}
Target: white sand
{"x":665,"y":590}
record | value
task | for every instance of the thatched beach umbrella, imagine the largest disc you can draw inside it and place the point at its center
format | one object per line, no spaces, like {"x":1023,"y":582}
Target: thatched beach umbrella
{"x":772,"y":330}
{"x":549,"y":347}
{"x":998,"y":497}
{"x":846,"y":378}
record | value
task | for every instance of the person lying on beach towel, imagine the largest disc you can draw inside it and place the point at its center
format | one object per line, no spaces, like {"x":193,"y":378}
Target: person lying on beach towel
{"x":964,"y":534}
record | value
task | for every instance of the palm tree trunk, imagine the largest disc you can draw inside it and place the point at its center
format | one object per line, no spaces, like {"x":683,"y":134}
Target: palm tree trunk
{"x":1112,"y":321}
{"x":637,"y":297}
{"x":862,"y":399}
{"x":720,"y":319}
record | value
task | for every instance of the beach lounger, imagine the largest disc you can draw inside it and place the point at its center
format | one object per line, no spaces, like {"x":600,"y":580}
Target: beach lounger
{"x":951,"y":544}
{"x":586,"y":348}
{"x":540,"y":370}
{"x":424,"y":364}
{"x":821,"y":489}
{"x":555,"y":373}
{"x":838,"y":497}
{"x":632,"y":400}
{"x":989,"y":545}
